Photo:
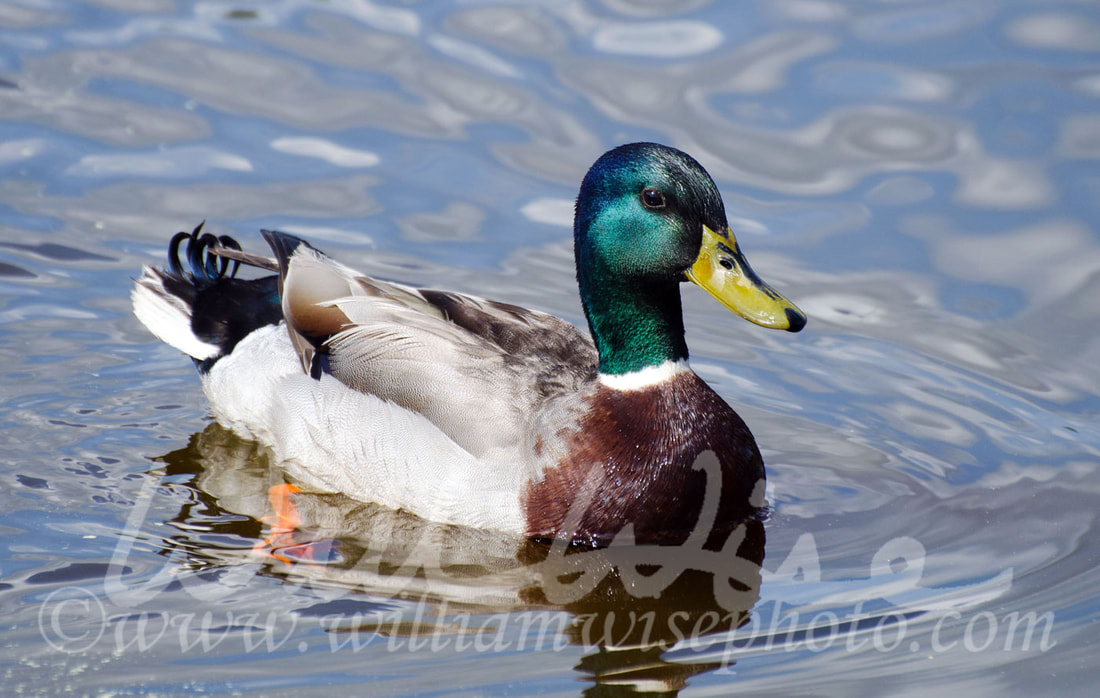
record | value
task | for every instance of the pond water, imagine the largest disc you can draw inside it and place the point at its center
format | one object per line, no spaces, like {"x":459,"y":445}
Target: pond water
{"x":920,"y":177}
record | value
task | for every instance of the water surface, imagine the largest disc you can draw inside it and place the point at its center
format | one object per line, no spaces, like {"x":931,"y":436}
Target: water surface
{"x":920,"y":177}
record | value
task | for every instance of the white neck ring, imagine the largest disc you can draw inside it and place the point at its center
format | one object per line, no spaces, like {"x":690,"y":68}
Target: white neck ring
{"x":646,"y":377}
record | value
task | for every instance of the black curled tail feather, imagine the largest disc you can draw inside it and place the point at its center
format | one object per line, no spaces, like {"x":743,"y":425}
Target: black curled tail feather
{"x":203,"y":264}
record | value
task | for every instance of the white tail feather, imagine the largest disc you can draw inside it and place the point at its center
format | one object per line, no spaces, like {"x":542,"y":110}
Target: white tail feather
{"x":167,"y":316}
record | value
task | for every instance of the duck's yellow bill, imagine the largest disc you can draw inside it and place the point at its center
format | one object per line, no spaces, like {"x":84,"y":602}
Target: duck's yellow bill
{"x":723,"y":272}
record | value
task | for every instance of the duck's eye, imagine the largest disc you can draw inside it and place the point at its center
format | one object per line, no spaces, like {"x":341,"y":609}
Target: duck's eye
{"x":652,"y":198}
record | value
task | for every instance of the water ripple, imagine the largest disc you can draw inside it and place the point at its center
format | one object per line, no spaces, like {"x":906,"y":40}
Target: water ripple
{"x":666,"y":39}
{"x":1057,"y":31}
{"x":918,"y":176}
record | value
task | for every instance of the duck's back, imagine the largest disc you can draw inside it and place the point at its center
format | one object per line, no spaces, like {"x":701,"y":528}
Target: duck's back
{"x":476,"y":369}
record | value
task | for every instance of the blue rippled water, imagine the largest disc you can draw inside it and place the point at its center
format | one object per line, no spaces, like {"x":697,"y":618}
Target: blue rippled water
{"x":921,"y":177}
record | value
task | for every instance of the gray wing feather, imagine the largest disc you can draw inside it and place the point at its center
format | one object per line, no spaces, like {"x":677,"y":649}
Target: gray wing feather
{"x":463,"y":362}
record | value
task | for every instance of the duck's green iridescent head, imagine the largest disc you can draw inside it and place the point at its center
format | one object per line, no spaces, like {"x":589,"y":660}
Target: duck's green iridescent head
{"x":648,"y":217}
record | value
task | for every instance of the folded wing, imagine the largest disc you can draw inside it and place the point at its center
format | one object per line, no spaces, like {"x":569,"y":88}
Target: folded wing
{"x":463,"y":362}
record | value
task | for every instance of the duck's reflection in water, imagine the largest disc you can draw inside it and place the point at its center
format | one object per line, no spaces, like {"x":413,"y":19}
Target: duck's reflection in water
{"x":640,"y":612}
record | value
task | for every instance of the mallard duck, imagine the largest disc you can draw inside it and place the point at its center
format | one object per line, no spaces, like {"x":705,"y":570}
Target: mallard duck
{"x":478,"y":413}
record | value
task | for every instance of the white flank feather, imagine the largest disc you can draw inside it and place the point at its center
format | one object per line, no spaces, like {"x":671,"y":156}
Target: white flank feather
{"x":332,"y":438}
